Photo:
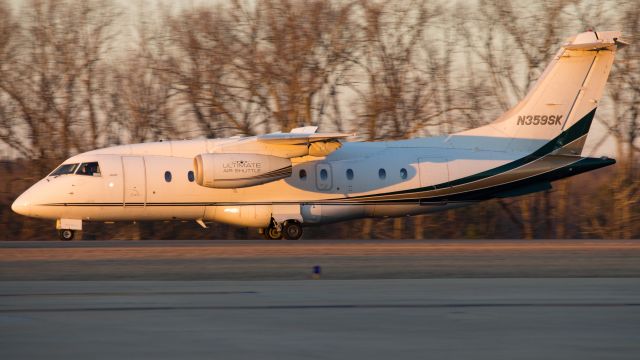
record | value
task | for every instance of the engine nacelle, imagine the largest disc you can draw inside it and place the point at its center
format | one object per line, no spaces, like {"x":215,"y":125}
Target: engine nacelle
{"x":258,"y":216}
{"x":229,"y":171}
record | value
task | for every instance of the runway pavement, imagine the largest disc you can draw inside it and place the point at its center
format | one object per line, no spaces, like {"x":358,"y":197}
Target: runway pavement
{"x":326,"y":319}
{"x":339,"y":259}
{"x":492,"y":299}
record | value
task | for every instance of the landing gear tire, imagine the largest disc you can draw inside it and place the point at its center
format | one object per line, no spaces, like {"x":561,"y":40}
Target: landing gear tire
{"x":292,"y":230}
{"x":66,"y":234}
{"x":272,"y":233}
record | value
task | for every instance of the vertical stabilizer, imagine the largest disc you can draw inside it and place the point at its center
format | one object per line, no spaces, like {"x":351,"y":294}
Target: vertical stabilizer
{"x":563,"y":100}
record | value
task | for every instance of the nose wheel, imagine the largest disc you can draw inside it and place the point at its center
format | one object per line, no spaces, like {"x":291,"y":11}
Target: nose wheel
{"x":272,"y":233}
{"x":66,"y":234}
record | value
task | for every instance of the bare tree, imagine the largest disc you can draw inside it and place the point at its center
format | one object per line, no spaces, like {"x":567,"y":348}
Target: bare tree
{"x":9,"y":110}
{"x":624,"y":128}
{"x":141,"y":98}
{"x":199,"y":64}
{"x":49,"y":83}
{"x":304,"y":59}
{"x":245,"y":67}
{"x":396,"y":94}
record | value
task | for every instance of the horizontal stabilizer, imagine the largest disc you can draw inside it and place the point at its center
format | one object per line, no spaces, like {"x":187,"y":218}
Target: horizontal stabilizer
{"x":593,"y":41}
{"x":525,"y":190}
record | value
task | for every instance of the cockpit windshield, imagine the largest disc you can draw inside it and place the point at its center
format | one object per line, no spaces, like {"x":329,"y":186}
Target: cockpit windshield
{"x":89,"y":168}
{"x":65,"y":169}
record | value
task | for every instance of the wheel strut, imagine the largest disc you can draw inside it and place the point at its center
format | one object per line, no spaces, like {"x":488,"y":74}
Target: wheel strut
{"x":273,"y":231}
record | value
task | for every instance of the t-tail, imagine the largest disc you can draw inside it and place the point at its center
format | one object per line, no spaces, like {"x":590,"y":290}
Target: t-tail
{"x":556,"y":114}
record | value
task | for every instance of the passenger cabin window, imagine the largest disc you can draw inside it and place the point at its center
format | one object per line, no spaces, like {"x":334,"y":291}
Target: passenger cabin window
{"x":65,"y":169}
{"x":324,"y":175}
{"x":167,"y":176}
{"x":190,"y":176}
{"x":382,"y":174}
{"x":349,"y":174}
{"x":403,"y":173}
{"x":303,"y":174}
{"x":89,"y":169}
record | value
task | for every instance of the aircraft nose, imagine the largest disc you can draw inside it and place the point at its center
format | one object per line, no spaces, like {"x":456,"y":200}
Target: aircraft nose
{"x":21,"y":205}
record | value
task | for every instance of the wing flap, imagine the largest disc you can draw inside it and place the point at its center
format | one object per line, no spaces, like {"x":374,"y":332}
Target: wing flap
{"x":300,"y":138}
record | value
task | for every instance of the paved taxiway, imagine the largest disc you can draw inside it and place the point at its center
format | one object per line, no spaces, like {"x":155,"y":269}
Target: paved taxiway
{"x":396,"y":300}
{"x":336,"y":319}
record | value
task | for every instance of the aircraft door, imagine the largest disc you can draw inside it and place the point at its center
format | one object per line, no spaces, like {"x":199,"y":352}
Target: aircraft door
{"x":324,"y":177}
{"x":433,"y":171}
{"x":135,"y":187}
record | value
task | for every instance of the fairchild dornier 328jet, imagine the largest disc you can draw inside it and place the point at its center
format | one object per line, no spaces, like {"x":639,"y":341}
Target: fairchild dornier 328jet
{"x":279,"y":182}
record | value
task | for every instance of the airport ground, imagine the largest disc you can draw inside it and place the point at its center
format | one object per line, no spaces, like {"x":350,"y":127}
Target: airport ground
{"x":294,"y":260}
{"x":374,"y":299}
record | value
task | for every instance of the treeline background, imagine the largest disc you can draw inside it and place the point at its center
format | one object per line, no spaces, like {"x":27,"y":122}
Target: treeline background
{"x":77,"y":75}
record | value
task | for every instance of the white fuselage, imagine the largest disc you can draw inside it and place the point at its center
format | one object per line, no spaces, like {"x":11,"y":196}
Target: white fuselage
{"x":133,"y":186}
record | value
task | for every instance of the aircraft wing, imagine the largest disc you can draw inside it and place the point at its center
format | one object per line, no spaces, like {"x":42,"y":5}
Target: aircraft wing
{"x":306,"y":139}
{"x":297,"y":143}
{"x":300,"y":138}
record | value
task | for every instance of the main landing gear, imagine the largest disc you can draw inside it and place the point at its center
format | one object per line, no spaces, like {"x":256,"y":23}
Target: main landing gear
{"x":66,"y":234}
{"x":290,"y":230}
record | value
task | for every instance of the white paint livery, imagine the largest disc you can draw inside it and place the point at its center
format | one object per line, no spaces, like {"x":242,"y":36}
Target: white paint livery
{"x":276,"y":182}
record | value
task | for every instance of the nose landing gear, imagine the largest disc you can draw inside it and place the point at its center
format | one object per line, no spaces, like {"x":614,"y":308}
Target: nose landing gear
{"x":272,"y":233}
{"x":290,"y":230}
{"x":67,"y":228}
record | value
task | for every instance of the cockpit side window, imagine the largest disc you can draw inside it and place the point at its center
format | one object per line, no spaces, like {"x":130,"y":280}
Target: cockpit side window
{"x":64,"y":169}
{"x":89,"y":169}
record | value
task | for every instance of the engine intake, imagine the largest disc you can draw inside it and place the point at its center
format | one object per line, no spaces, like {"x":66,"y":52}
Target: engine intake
{"x":228,"y":171}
